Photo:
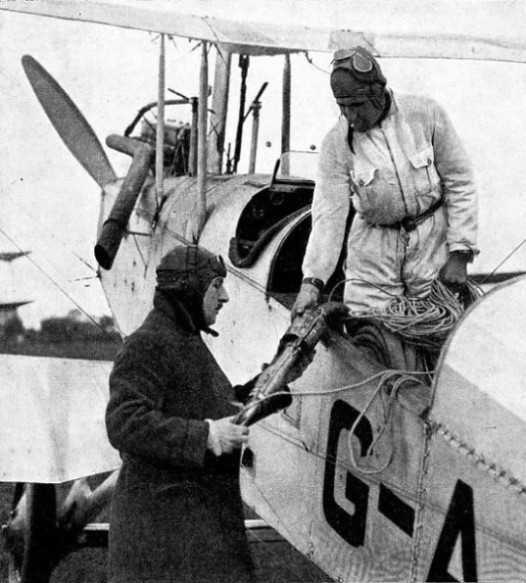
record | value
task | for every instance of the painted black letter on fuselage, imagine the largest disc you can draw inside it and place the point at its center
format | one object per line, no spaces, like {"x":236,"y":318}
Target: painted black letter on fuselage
{"x":460,"y":520}
{"x":350,"y":528}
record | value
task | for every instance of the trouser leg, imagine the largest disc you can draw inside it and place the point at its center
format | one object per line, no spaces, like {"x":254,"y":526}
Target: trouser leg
{"x":373,"y":267}
{"x":383,"y":264}
{"x":426,"y":253}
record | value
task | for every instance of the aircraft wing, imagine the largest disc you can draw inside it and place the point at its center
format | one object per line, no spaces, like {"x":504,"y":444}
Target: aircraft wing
{"x":463,"y":29}
{"x":52,"y":419}
{"x":480,"y":387}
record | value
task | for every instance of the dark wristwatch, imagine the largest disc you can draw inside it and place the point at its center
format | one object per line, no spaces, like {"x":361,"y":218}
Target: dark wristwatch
{"x":467,"y":253}
{"x":315,"y":281}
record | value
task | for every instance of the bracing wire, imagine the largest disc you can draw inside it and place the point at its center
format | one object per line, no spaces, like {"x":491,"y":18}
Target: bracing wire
{"x":58,"y":286}
{"x":312,"y":64}
{"x":173,"y":233}
{"x":512,"y":252}
{"x":49,"y":236}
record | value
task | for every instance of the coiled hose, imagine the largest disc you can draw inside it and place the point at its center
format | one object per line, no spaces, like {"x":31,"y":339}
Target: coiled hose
{"x":426,"y":322}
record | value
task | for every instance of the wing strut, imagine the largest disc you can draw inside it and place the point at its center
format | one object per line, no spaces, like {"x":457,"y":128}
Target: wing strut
{"x":285,"y":123}
{"x":159,"y":144}
{"x":201,"y":141}
{"x":244,"y":62}
{"x":218,"y":115}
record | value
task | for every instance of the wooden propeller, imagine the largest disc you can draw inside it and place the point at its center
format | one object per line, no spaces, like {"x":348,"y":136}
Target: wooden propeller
{"x":69,"y":122}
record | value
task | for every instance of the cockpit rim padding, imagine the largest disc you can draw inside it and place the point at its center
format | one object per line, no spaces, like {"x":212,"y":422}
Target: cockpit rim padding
{"x":249,"y":259}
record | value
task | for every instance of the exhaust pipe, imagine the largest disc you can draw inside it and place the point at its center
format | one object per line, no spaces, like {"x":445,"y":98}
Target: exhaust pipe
{"x":115,"y":225}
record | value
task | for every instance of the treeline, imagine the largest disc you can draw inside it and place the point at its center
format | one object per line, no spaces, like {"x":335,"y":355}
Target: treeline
{"x":63,"y":337}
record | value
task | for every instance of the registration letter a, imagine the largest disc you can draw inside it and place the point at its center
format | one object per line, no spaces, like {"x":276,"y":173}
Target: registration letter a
{"x":460,"y":521}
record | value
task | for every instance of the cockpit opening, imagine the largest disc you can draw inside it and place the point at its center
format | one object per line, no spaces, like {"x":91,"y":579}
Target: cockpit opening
{"x":266,"y":214}
{"x":285,"y":272}
{"x":287,"y":199}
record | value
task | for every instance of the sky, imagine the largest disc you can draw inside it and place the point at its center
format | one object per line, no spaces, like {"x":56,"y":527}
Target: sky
{"x":49,"y":204}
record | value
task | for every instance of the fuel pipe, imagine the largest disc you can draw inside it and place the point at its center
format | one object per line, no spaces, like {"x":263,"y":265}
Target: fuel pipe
{"x":115,"y":225}
{"x":299,"y":339}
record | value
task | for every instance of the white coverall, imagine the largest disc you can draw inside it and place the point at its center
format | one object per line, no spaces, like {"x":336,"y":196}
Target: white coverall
{"x":399,"y":169}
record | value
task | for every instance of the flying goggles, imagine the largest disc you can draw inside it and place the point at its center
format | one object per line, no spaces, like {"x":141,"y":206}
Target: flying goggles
{"x":360,"y":63}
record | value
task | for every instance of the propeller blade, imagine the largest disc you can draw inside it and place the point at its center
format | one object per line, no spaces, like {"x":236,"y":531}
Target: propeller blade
{"x":69,"y":122}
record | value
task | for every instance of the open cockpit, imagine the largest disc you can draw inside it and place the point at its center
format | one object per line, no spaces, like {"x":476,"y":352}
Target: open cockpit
{"x":282,"y":207}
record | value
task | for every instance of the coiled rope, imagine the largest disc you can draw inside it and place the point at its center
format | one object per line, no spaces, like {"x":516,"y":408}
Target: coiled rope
{"x":426,"y":322}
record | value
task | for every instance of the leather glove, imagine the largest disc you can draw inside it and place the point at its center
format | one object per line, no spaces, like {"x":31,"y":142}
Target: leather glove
{"x":454,"y":272}
{"x":306,"y":298}
{"x":224,"y":436}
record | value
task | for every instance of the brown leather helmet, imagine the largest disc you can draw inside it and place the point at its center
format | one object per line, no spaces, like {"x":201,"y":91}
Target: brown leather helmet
{"x":189,"y":270}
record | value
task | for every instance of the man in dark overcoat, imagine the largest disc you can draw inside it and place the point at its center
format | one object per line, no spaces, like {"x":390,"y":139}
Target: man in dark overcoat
{"x":177,"y":514}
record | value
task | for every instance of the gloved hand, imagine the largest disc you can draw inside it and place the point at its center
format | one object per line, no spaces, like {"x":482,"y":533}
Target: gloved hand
{"x":224,"y":436}
{"x":306,"y":298}
{"x":454,"y":272}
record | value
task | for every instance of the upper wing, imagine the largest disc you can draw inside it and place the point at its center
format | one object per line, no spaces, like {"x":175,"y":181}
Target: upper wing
{"x":464,"y":29}
{"x":52,"y":419}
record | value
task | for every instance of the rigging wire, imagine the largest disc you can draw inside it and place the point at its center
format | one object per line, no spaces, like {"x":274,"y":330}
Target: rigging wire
{"x":183,"y":240}
{"x":82,"y":260}
{"x":49,"y":235}
{"x":413,"y":312}
{"x":176,"y":236}
{"x":311,"y":62}
{"x":61,"y":289}
{"x":504,"y":260}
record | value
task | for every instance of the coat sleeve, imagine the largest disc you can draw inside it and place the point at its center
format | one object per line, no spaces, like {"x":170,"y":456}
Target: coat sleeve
{"x":330,"y":208}
{"x":456,"y":174}
{"x":135,"y":421}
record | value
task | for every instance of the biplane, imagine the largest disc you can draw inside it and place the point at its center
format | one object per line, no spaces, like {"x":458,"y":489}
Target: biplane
{"x":374,"y":472}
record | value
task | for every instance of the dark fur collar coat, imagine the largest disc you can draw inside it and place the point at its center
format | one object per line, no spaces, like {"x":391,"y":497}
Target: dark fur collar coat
{"x":177,"y":511}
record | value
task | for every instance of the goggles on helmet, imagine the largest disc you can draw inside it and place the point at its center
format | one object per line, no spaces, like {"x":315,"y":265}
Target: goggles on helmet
{"x":360,"y":63}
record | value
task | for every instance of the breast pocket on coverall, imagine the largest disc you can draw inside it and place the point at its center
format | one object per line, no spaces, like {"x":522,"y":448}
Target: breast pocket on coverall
{"x":377,"y":194}
{"x":423,"y":180}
